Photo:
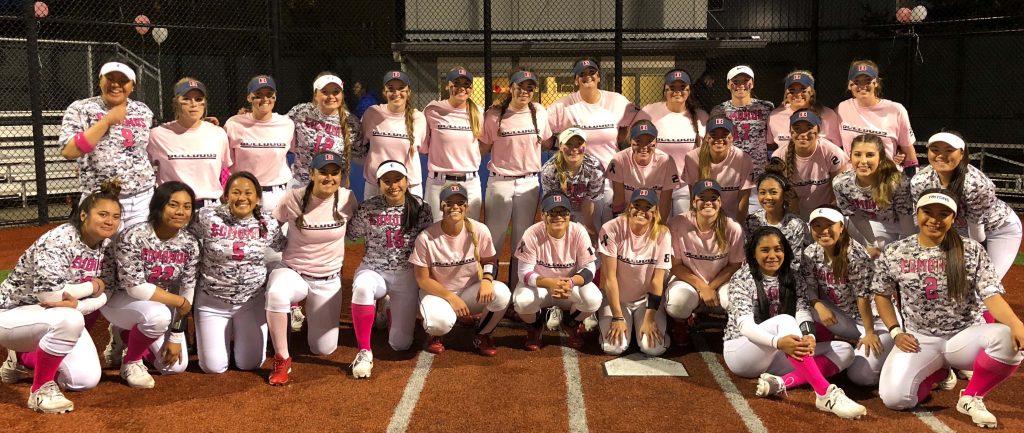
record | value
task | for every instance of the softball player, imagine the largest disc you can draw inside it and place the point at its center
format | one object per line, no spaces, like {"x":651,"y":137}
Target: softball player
{"x":799,"y":94}
{"x":452,"y":144}
{"x":708,"y":249}
{"x":810,"y":162}
{"x":393,"y":131}
{"x":643,"y":166}
{"x":680,"y":125}
{"x":156,"y":278}
{"x":576,"y":174}
{"x":867,"y":113}
{"x":454,"y":262}
{"x":317,"y":217}
{"x":59,"y":280}
{"x":188,"y":149}
{"x":260,"y":140}
{"x":941,"y":281}
{"x":983,"y":216}
{"x":774,"y":193}
{"x":837,"y":273}
{"x":770,"y":333}
{"x":108,"y":136}
{"x":556,"y":268}
{"x":604,"y":116}
{"x":389,"y":223}
{"x":324,"y":124}
{"x":875,"y":195}
{"x":636,"y":254}
{"x":513,"y":134}
{"x":727,"y":165}
{"x":233,"y":237}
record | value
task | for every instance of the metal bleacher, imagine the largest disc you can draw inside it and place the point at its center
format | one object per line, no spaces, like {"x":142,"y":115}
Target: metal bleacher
{"x":17,"y":158}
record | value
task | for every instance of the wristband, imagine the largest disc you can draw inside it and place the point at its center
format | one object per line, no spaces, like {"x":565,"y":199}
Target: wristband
{"x":653,"y":301}
{"x":618,"y":319}
{"x":489,"y":277}
{"x":586,"y":275}
{"x":895,"y":331}
{"x":489,"y":268}
{"x":807,"y":328}
{"x":83,"y":143}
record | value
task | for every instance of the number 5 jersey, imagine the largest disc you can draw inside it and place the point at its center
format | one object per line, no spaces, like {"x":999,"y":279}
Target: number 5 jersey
{"x":233,"y":267}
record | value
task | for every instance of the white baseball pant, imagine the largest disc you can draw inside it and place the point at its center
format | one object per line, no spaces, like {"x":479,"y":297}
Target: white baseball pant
{"x":153,"y":320}
{"x":218,"y":323}
{"x":634,"y":313}
{"x":680,"y":200}
{"x":511,"y":199}
{"x":369,"y":285}
{"x":529,"y":300}
{"x":436,"y":182}
{"x":1003,"y":243}
{"x":58,"y":331}
{"x":681,"y":298}
{"x":865,"y":370}
{"x":286,"y":287}
{"x":439,"y":316}
{"x":603,"y":205}
{"x":748,"y":359}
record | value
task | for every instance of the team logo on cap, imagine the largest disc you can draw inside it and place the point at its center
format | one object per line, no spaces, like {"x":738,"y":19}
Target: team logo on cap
{"x":261,"y":80}
{"x":527,"y":74}
{"x":643,"y":127}
{"x":557,"y":199}
{"x":396,"y":74}
{"x":802,"y":114}
{"x":707,"y":184}
{"x":796,"y":76}
{"x":862,"y":68}
{"x":329,"y":157}
{"x":719,"y":121}
{"x":678,"y":75}
{"x":643,"y":193}
{"x":585,"y":63}
{"x":455,"y":188}
{"x":193,"y":84}
{"x":462,"y":71}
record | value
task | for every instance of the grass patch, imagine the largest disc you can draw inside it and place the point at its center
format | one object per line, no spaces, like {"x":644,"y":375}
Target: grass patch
{"x":3,"y":275}
{"x":1020,"y":259}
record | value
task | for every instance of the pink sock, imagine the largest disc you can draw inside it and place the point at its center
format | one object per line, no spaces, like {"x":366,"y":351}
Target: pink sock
{"x":28,"y":359}
{"x":811,"y":374}
{"x":989,"y":318}
{"x":929,"y":382}
{"x":825,"y":366}
{"x":362,"y":321}
{"x":987,"y":374}
{"x":137,"y":344}
{"x":45,"y":368}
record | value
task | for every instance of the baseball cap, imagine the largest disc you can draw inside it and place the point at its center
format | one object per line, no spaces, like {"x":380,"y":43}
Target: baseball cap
{"x":805,"y":115}
{"x":937,"y":198}
{"x":827,"y":213}
{"x":188,"y":86}
{"x":704,"y":185}
{"x":741,"y":69}
{"x":951,"y":139}
{"x":801,"y":78}
{"x":118,"y":67}
{"x":260,"y":81}
{"x":324,"y":80}
{"x":555,"y":200}
{"x":583,"y":64}
{"x":862,"y":69}
{"x":677,"y":75}
{"x":455,"y":73}
{"x":719,"y":122}
{"x":521,"y":76}
{"x":648,"y":195}
{"x":641,"y":128}
{"x":389,"y":166}
{"x":322,"y":159}
{"x":453,"y":189}
{"x":564,"y":136}
{"x":396,"y":75}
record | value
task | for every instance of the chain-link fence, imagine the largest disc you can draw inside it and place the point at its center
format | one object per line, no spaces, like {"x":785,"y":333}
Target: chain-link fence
{"x":952,"y":63}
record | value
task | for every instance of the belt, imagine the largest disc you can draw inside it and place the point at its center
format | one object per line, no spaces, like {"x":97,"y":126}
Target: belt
{"x":513,"y":177}
{"x":455,"y":178}
{"x":274,"y":187}
{"x":325,"y":278}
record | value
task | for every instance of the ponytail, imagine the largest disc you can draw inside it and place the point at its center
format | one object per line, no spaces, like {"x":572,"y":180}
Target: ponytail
{"x":474,"y":117}
{"x":562,"y":171}
{"x":410,"y":123}
{"x":299,"y":221}
{"x":704,"y":158}
{"x":410,"y":211}
{"x":476,"y":249}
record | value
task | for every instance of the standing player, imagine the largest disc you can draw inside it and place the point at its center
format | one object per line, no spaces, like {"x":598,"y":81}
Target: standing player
{"x":774,"y":193}
{"x":43,"y":303}
{"x":454,"y":262}
{"x":867,"y":113}
{"x":941,"y":281}
{"x":556,"y":268}
{"x":259,"y":141}
{"x":875,"y":195}
{"x":983,"y":216}
{"x":799,"y":94}
{"x":680,"y":125}
{"x":717,"y":159}
{"x":189,"y":149}
{"x":642,"y":166}
{"x":452,"y":144}
{"x":156,"y":279}
{"x":324,"y":124}
{"x":576,"y":174}
{"x":233,"y":237}
{"x":108,"y":136}
{"x":810,"y":162}
{"x":770,"y":332}
{"x":393,"y":131}
{"x":390,"y":223}
{"x":636,"y":254}
{"x":513,"y":134}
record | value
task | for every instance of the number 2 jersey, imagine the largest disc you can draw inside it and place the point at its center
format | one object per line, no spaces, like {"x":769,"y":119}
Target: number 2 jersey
{"x":387,"y":246}
{"x":233,"y":267}
{"x":915,"y":276}
{"x":57,"y":258}
{"x":143,"y":258}
{"x":121,"y":153}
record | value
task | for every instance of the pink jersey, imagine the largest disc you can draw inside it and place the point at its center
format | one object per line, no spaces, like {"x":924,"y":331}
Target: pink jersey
{"x":385,"y":135}
{"x":659,"y":174}
{"x":778,"y":125}
{"x":698,"y":250}
{"x":450,"y":258}
{"x":886,"y":119}
{"x":733,"y":174}
{"x":516,"y":144}
{"x":813,"y":183}
{"x":676,"y":136}
{"x":261,"y":147}
{"x":601,"y":121}
{"x":194,"y":156}
{"x":317,"y":248}
{"x":449,"y":144}
{"x":637,"y":256}
{"x":556,"y":258}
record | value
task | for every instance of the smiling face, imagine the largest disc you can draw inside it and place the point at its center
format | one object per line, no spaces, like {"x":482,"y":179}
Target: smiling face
{"x":326,"y":180}
{"x":102,"y":221}
{"x":178,"y":211}
{"x":643,"y":149}
{"x":115,"y":88}
{"x":522,"y":93}
{"x":769,"y":194}
{"x":721,"y":139}
{"x":454,"y":208}
{"x":803,"y":135}
{"x":242,"y":197}
{"x":641,"y":213}
{"x":935,"y":220}
{"x":677,"y":92}
{"x":944,"y":158}
{"x":826,"y":233}
{"x":557,"y":219}
{"x":863,"y":88}
{"x":865,"y":158}
{"x":799,"y":96}
{"x":397,"y":93}
{"x":741,"y":86}
{"x":590,"y":78}
{"x":769,"y":254}
{"x":707,"y":204}
{"x":573,"y":150}
{"x":328,"y":99}
{"x":262,"y":101}
{"x":459,"y":90}
{"x":393,"y":185}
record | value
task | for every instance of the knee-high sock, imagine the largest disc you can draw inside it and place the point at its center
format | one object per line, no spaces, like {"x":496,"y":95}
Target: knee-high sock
{"x":27,"y":359}
{"x":988,"y":373}
{"x":137,"y":344}
{"x":929,"y":382}
{"x":989,"y":318}
{"x":45,"y":368}
{"x":362,"y":321}
{"x":825,"y":366}
{"x":809,"y":371}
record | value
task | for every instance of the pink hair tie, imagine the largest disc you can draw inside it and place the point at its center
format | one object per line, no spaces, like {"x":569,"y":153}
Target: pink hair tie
{"x":83,"y":143}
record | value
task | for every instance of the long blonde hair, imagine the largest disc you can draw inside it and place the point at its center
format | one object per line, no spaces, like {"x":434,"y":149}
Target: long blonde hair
{"x":718,"y":226}
{"x":345,"y":136}
{"x":476,"y":249}
{"x":656,"y":226}
{"x":887,"y":175}
{"x":472,"y":110}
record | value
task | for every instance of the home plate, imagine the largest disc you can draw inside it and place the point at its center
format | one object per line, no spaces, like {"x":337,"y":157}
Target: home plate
{"x":639,"y":364}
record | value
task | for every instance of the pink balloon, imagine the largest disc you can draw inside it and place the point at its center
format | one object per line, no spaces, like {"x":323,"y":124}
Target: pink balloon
{"x":42,"y":10}
{"x":903,"y":15}
{"x":142,"y":19}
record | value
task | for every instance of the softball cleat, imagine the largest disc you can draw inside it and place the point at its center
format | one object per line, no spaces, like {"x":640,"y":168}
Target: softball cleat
{"x":49,"y":399}
{"x":12,"y":371}
{"x":836,"y":401}
{"x":554,"y":318}
{"x":974,"y":406}
{"x":769,"y":385}
{"x":136,"y":375}
{"x":949,"y":383}
{"x":279,"y":373}
{"x":363,"y":364}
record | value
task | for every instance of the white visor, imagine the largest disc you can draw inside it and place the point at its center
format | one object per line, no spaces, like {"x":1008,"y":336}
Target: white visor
{"x":570,"y":133}
{"x":323,"y":81}
{"x":827,"y":213}
{"x":945,"y":137}
{"x":938,"y":198}
{"x":740,"y":70}
{"x":387,"y":166}
{"x":118,"y":67}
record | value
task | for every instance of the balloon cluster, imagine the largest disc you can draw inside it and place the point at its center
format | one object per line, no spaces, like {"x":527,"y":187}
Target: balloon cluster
{"x":159,"y":33}
{"x":915,"y":15}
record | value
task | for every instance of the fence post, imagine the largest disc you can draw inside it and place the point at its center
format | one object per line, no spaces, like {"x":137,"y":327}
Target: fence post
{"x":815,"y":35}
{"x":618,"y":46}
{"x":399,"y":20}
{"x":36,"y":101}
{"x":488,"y":58}
{"x":275,"y":38}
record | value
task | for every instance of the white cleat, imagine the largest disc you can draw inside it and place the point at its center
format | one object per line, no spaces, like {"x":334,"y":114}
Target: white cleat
{"x":554,"y":322}
{"x":363,"y":364}
{"x":115,"y":348}
{"x":49,"y":399}
{"x":975,"y":407}
{"x":297,"y":318}
{"x":769,"y":385}
{"x":965,"y":374}
{"x":590,"y":322}
{"x":380,"y":319}
{"x":136,"y":374}
{"x":949,"y":383}
{"x":12,"y":371}
{"x":836,"y":401}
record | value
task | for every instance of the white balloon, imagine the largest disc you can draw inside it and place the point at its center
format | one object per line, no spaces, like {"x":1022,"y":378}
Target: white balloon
{"x":918,"y":13}
{"x":160,"y":35}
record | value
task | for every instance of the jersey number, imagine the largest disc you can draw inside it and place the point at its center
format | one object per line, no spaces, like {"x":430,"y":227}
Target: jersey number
{"x":931,"y":288}
{"x":743,"y":130}
{"x":395,"y":239}
{"x":160,"y":274}
{"x":129,"y":138}
{"x":323,"y":142}
{"x":237,"y":254}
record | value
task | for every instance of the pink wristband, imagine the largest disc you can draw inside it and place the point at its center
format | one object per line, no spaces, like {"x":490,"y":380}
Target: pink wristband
{"x":83,"y":144}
